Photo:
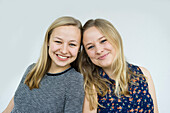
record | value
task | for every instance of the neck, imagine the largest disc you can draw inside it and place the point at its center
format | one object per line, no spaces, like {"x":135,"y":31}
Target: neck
{"x":57,"y":69}
{"x":109,"y":72}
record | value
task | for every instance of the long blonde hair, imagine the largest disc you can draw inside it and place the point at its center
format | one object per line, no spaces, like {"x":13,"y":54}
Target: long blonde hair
{"x":43,"y":64}
{"x":90,"y":71}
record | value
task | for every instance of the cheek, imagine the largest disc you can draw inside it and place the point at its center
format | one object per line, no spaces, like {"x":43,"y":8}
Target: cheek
{"x":74,"y":51}
{"x":109,"y":46}
{"x":113,"y":49}
{"x":91,"y":54}
{"x":53,"y":47}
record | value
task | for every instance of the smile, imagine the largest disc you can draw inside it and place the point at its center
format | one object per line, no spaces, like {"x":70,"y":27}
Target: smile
{"x":103,"y":57}
{"x":62,"y":58}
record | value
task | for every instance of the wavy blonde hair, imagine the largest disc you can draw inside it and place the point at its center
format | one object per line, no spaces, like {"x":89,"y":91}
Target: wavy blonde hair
{"x":44,"y":62}
{"x":90,"y":71}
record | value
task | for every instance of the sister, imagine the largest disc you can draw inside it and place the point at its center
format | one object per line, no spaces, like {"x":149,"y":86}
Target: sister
{"x":53,"y":85}
{"x":112,"y":85}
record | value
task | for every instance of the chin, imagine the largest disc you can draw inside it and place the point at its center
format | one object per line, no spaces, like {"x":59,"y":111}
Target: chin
{"x":106,"y":66}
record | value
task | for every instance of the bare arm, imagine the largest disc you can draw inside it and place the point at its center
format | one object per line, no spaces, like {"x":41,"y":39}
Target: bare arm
{"x":151,"y":87}
{"x":10,"y":106}
{"x":86,"y":108}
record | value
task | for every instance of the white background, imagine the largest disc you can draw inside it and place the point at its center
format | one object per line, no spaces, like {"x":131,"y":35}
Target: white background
{"x":143,"y":24}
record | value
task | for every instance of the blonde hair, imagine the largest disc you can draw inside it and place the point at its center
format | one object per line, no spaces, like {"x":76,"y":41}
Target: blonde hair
{"x":90,"y":70}
{"x":43,"y":64}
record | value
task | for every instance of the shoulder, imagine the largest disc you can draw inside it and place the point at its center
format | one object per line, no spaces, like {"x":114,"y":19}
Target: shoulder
{"x":145,"y":72}
{"x":73,"y":75}
{"x":28,"y":69}
{"x":139,"y":70}
{"x":134,"y":68}
{"x":74,"y":81}
{"x":142,"y":73}
{"x":31,"y":66}
{"x":138,"y":74}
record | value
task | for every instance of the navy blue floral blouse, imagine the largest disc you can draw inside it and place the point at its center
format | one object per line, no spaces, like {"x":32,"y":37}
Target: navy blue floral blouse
{"x":139,"y":101}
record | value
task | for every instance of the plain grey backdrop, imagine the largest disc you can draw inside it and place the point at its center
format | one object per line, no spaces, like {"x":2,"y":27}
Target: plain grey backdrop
{"x":143,"y":24}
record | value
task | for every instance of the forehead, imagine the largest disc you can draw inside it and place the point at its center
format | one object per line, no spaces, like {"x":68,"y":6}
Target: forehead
{"x":92,"y":33}
{"x":66,"y":29}
{"x":66,"y":32}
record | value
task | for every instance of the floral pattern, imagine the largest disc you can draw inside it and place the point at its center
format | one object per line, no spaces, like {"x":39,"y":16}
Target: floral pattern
{"x":139,"y":101}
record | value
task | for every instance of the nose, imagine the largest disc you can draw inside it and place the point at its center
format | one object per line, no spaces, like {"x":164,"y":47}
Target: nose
{"x":99,"y":49}
{"x":64,"y":49}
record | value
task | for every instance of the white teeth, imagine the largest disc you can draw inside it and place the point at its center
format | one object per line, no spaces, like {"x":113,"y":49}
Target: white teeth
{"x":62,"y":57}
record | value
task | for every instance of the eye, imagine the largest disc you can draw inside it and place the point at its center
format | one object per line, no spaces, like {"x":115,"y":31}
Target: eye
{"x":59,"y":42}
{"x":90,"y":47}
{"x":72,"y":44}
{"x":103,"y":41}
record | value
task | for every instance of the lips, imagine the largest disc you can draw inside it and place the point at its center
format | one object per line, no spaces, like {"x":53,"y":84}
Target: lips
{"x":103,"y":56}
{"x":62,"y":58}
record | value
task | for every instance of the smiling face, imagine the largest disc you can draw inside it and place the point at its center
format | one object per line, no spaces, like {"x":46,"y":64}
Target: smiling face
{"x":64,"y":45}
{"x":99,"y":50}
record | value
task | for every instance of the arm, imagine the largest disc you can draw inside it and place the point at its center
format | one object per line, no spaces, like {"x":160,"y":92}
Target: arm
{"x":86,"y":108}
{"x":151,"y":87}
{"x":10,"y":106}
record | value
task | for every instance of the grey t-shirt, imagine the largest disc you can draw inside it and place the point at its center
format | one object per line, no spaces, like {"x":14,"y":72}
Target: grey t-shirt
{"x":58,"y":93}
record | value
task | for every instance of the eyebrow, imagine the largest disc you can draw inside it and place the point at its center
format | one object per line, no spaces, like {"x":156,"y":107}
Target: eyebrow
{"x":62,"y":39}
{"x":101,"y":37}
{"x":58,"y":38}
{"x":73,"y":41}
{"x":91,"y":43}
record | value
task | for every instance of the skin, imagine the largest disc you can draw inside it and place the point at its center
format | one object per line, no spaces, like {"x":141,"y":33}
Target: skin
{"x":99,"y":50}
{"x":151,"y":87}
{"x":10,"y":106}
{"x":102,"y":54}
{"x":63,"y":45}
{"x":86,"y":108}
